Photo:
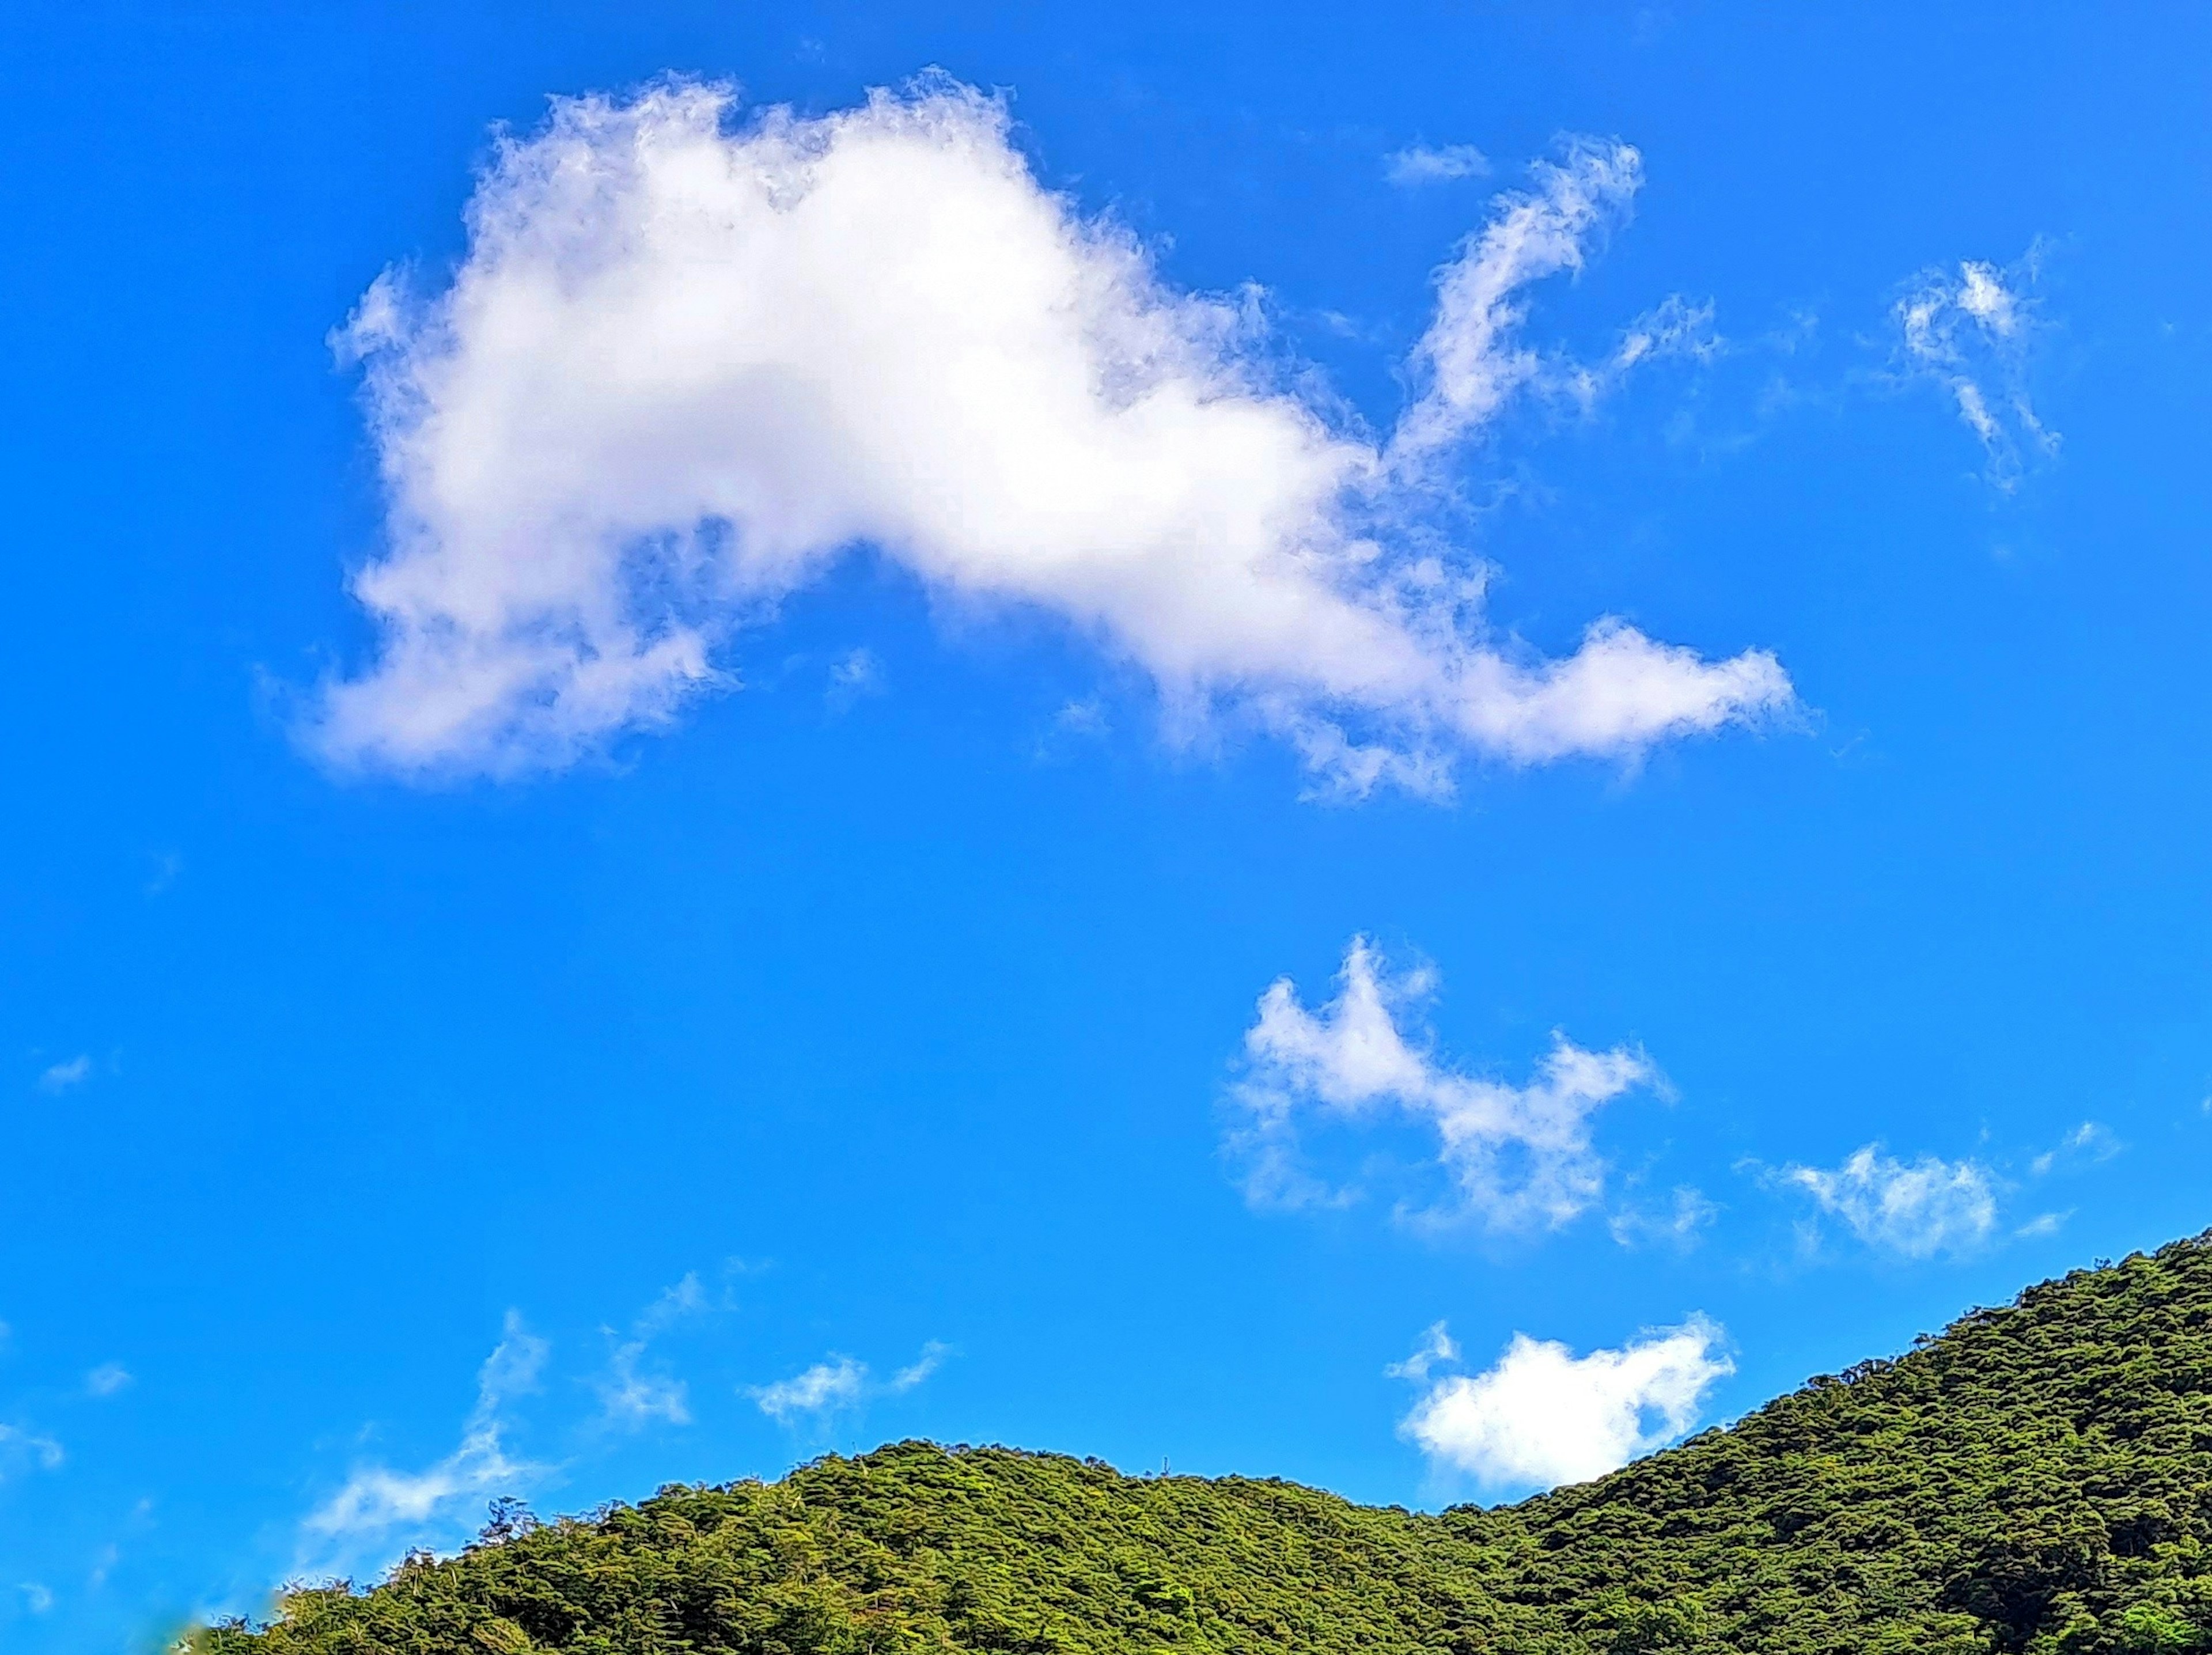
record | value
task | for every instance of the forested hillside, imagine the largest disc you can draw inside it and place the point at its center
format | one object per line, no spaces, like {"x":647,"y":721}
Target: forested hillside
{"x":2039,"y":1478}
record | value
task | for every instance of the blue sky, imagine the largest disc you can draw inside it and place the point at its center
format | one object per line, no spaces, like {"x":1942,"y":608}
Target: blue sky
{"x":717,"y":785}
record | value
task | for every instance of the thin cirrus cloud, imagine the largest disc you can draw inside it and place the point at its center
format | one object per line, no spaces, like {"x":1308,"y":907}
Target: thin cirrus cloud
{"x":108,"y":1379}
{"x":686,"y":363}
{"x":1541,"y":1416}
{"x":631,"y":1394}
{"x":1969,"y":330}
{"x":377,"y":1501}
{"x":1516,"y":1156}
{"x":1445,"y":163}
{"x":57,"y":1078}
{"x":23,"y":1449}
{"x":1914,"y":1209}
{"x":838,"y":1385}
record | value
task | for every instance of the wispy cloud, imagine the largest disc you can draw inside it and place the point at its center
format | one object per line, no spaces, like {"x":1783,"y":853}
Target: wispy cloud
{"x":1678,"y":1222}
{"x":107,"y":1380}
{"x":839,"y":1383}
{"x":1541,"y":1416}
{"x":1970,"y":330}
{"x":854,"y":676}
{"x":22,"y":1450}
{"x":631,"y":1396}
{"x":1518,"y":1157}
{"x":377,"y":1502}
{"x":57,"y":1078}
{"x":1912,"y":1209}
{"x":2089,"y":1144}
{"x":675,"y":376}
{"x":1446,"y":163}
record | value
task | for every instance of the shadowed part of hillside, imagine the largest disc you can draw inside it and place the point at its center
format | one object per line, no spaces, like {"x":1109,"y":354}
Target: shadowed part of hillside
{"x":2039,"y":1478}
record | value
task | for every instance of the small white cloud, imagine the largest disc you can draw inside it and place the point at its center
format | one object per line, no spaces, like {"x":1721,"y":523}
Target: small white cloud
{"x":22,"y":1450}
{"x":1675,"y":327}
{"x":931,"y":1358}
{"x":37,"y":1598}
{"x":822,"y":1390}
{"x":1518,"y":1157}
{"x":687,"y":363}
{"x":378,"y":1500}
{"x":853,"y":676}
{"x":834,"y":1385}
{"x":1472,"y":360}
{"x":2044,"y":1224}
{"x":1970,"y":334}
{"x":2088,"y":1144}
{"x":57,"y":1078}
{"x":107,"y":1379}
{"x":1915,"y":1208}
{"x":1437,"y":1346}
{"x":1678,"y":1223}
{"x":1422,"y":163}
{"x":1544,"y":1416}
{"x":632,"y":1397}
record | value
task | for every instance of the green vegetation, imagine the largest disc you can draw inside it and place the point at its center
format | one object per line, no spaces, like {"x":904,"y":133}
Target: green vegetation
{"x":2038,"y":1479}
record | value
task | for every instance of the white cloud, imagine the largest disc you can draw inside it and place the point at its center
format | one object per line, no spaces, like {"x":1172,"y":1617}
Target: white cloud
{"x":107,"y":1379}
{"x":931,"y":1358}
{"x":686,"y":363}
{"x":1422,"y":163}
{"x":822,"y":1390}
{"x":2088,"y":1144}
{"x":1679,"y":1223}
{"x":1970,"y":334}
{"x":838,"y":1384}
{"x":1673,"y":327}
{"x":1543,"y":1416}
{"x":21,"y":1449}
{"x":1437,"y":1346}
{"x":1916,"y":1209}
{"x":58,"y":1078}
{"x":377,"y":1499}
{"x":629,"y":1396}
{"x":1472,"y":359}
{"x":1519,"y":1157}
{"x":37,"y":1598}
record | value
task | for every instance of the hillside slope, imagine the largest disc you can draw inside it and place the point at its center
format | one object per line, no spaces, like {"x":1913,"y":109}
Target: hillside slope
{"x":2039,"y":1478}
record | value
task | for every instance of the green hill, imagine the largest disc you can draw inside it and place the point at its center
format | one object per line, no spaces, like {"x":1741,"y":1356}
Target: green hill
{"x":2039,"y":1478}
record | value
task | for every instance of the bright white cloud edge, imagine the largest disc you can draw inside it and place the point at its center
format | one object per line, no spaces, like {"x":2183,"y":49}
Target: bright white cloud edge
{"x":686,"y":363}
{"x":1541,"y":1416}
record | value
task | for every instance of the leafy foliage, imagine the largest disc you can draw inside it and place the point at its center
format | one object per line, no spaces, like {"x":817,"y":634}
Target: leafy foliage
{"x":2038,"y":1481}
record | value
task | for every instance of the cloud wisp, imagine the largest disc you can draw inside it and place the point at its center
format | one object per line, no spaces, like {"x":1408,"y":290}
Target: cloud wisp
{"x":1518,"y":1157}
{"x":57,"y":1078}
{"x":1970,"y":332}
{"x":839,"y":1384}
{"x":377,"y":1502}
{"x":1914,"y":1209}
{"x":631,"y":1396}
{"x":1444,"y":163}
{"x":1542,"y":1416}
{"x":687,"y":363}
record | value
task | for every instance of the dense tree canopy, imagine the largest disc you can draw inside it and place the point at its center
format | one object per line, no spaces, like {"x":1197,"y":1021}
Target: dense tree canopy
{"x":2037,"y":1479}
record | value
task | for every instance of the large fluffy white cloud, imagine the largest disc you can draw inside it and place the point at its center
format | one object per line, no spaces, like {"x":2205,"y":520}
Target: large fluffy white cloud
{"x":1518,"y":1157}
{"x":686,"y":362}
{"x":1543,"y":1416}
